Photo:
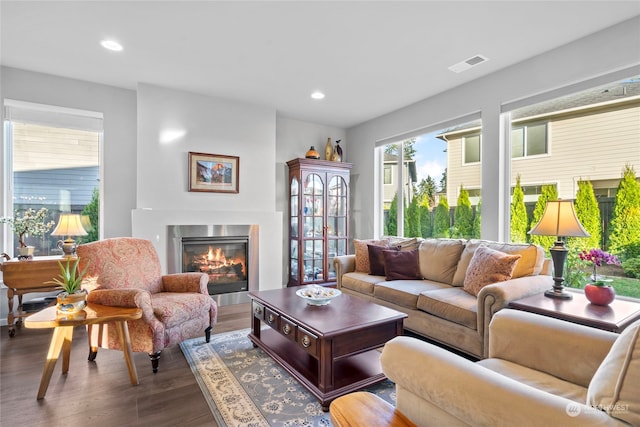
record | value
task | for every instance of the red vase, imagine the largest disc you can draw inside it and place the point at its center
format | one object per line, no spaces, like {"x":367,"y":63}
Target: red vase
{"x":599,"y":295}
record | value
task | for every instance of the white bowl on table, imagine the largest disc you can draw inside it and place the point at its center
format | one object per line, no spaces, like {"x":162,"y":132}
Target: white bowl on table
{"x":318,"y":295}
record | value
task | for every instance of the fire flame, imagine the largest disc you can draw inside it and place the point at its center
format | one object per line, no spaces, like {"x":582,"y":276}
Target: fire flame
{"x":216,"y":256}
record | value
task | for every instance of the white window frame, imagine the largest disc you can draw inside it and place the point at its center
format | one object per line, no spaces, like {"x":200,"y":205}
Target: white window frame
{"x":47,"y":115}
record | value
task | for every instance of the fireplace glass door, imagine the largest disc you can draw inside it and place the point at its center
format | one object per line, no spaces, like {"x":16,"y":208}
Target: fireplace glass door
{"x":223,"y":259}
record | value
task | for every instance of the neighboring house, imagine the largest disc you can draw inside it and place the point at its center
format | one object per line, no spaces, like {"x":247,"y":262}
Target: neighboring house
{"x":66,"y":189}
{"x":591,"y":136}
{"x":55,"y":167}
{"x":390,"y":179}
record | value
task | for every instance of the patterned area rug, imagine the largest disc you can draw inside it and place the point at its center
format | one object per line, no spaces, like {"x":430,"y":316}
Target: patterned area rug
{"x":245,"y":387}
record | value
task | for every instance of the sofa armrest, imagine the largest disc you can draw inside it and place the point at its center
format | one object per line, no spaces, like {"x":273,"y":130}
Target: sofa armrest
{"x":474,"y":394}
{"x":343,"y":264}
{"x":493,"y":298}
{"x":550,"y":344}
{"x":186,"y":282}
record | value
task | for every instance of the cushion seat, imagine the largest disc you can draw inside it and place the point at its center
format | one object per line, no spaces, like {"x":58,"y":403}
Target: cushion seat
{"x":453,"y":304}
{"x":174,"y":309}
{"x":405,"y":293}
{"x":361,"y":282}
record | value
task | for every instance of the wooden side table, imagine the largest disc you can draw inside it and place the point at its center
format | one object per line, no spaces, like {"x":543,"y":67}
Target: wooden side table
{"x":366,"y":409}
{"x":614,"y":317}
{"x":63,"y":335}
{"x":23,"y":277}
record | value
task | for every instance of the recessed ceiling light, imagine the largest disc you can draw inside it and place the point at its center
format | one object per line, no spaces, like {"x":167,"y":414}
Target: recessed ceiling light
{"x":317,"y":95}
{"x":111,"y":45}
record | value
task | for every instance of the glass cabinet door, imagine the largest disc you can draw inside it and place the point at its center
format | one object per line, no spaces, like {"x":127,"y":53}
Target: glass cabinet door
{"x":293,"y":227}
{"x":337,"y":197}
{"x":313,"y":221}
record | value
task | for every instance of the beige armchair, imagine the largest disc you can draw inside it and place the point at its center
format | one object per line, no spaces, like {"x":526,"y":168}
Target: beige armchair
{"x":126,"y":272}
{"x":540,"y":372}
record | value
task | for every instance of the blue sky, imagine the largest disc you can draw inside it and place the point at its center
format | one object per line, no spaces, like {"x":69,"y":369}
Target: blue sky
{"x":430,"y":156}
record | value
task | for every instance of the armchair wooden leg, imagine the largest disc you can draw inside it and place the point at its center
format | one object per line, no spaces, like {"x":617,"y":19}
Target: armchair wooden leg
{"x":93,"y":352}
{"x":207,"y":334}
{"x":155,"y":359}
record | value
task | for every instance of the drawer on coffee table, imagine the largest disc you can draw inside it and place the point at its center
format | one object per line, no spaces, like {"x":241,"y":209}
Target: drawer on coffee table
{"x":258,"y":310}
{"x":288,"y":328}
{"x":272,"y":318}
{"x":307,"y":341}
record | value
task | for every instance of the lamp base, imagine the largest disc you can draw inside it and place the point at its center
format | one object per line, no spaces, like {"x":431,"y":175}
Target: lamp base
{"x":552,"y":293}
{"x":68,"y":247}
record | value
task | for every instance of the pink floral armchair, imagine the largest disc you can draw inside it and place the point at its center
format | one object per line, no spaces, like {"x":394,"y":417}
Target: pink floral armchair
{"x":126,"y":272}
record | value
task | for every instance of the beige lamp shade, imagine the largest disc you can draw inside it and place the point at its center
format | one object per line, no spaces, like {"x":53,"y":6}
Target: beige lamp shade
{"x":69,"y":225}
{"x":559,"y":219}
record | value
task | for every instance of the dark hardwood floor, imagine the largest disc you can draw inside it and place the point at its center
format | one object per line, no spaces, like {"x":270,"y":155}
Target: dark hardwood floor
{"x":99,"y":393}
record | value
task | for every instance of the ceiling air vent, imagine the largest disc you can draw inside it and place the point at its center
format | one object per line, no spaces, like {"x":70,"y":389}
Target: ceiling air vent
{"x":468,"y":63}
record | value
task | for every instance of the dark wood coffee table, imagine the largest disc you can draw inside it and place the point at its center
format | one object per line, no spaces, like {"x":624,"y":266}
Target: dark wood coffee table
{"x":330,"y":349}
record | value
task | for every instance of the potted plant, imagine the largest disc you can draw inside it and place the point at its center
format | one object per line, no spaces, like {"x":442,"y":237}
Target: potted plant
{"x":73,"y":299}
{"x":31,"y":223}
{"x":598,"y":292}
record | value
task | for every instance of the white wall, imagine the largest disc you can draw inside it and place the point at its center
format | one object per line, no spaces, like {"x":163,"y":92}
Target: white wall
{"x":609,"y":51}
{"x":214,"y":126}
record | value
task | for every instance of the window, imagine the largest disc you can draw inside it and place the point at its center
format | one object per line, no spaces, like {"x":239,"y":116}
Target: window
{"x":472,"y":149}
{"x":388,"y":177}
{"x":435,"y":189}
{"x":595,"y":135}
{"x":54,"y":163}
{"x":529,"y":140}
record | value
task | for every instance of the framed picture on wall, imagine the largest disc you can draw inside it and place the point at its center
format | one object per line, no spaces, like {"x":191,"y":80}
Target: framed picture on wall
{"x":213,"y":173}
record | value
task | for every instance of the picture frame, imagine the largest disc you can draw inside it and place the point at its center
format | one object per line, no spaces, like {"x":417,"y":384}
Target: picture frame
{"x":214,"y":173}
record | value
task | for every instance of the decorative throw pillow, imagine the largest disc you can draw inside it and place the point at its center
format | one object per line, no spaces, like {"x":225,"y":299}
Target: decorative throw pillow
{"x":488,"y":266}
{"x":376,"y":258}
{"x":401,"y":265}
{"x":362,"y":253}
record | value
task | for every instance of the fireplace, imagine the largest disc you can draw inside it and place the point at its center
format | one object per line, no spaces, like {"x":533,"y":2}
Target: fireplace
{"x":223,"y":259}
{"x":227,"y":254}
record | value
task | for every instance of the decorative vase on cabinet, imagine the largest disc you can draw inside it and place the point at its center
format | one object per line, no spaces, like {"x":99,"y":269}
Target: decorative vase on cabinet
{"x":318,"y":219}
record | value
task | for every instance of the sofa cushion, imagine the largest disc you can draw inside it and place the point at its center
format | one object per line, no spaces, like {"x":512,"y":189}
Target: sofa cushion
{"x":360,"y":282}
{"x":488,"y":266}
{"x":404,"y":292}
{"x":536,"y":379}
{"x":615,"y":387}
{"x":362,"y":253}
{"x":529,"y":265}
{"x":439,"y":258}
{"x":376,"y":258}
{"x":401,"y":265}
{"x":451,"y":303}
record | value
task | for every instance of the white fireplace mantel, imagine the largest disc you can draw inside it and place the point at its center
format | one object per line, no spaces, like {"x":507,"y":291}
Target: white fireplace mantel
{"x":153,"y":225}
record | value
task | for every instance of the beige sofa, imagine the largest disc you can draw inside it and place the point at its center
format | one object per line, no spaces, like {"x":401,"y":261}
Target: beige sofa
{"x":437,"y":305}
{"x":540,"y":372}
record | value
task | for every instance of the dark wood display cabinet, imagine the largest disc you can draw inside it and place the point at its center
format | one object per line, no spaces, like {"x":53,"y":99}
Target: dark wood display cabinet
{"x":318,"y":219}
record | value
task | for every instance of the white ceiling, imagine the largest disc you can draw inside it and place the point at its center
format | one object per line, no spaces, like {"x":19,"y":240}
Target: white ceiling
{"x":369,"y":57}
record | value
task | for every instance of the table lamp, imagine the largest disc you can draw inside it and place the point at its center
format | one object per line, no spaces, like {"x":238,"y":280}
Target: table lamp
{"x":69,"y":225}
{"x":559,"y":219}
